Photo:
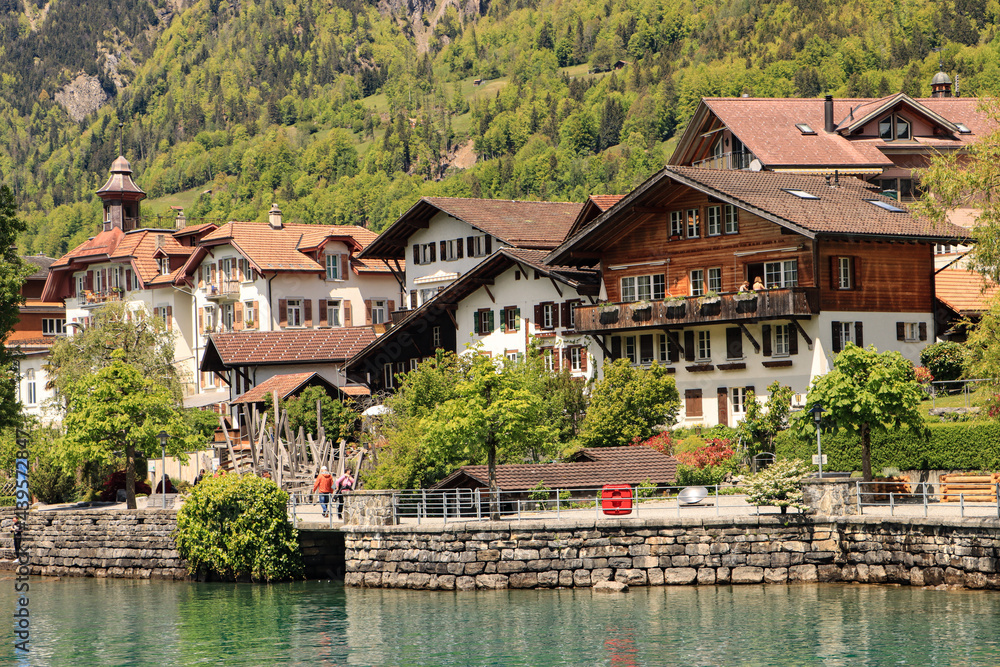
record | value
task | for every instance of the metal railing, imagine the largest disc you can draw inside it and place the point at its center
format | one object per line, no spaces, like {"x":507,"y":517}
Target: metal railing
{"x":945,"y":387}
{"x":922,"y":498}
{"x":303,"y":504}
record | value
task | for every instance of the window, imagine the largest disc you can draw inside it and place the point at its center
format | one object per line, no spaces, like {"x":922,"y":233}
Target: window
{"x":294,"y":313}
{"x":228,"y":316}
{"x":436,"y":337}
{"x":781,"y":274}
{"x":704,"y":345}
{"x":209,"y":319}
{"x":229,"y":269}
{"x":714,"y":220}
{"x":739,"y":399}
{"x":677,"y":223}
{"x":387,"y":376}
{"x":885,"y":205}
{"x":574,"y":358}
{"x":912,"y":332}
{"x":428,"y":293}
{"x":512,"y":356}
{"x":115,"y":275}
{"x":512,"y":319}
{"x":480,"y":246}
{"x":715,"y":280}
{"x":548,"y":317}
{"x":333,"y":313}
{"x":245,"y":273}
{"x":81,"y":284}
{"x":846,"y":333}
{"x":893,"y":128}
{"x":333,"y":267}
{"x":732,"y":219}
{"x":451,"y":250}
{"x":631,"y":352}
{"x":781,"y":348}
{"x":697,"y":282}
{"x":249,"y":314}
{"x":804,"y":128}
{"x":29,"y":377}
{"x":549,"y":359}
{"x":692,"y":223}
{"x":801,"y":194}
{"x":845,"y":273}
{"x":99,"y":285}
{"x":379,"y":311}
{"x":643,"y":288}
{"x":663,"y":348}
{"x":483,"y":324}
{"x":53,"y":326}
{"x":424,"y":253}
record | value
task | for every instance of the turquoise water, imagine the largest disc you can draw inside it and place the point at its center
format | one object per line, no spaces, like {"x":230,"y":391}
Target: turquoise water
{"x":114,"y":622}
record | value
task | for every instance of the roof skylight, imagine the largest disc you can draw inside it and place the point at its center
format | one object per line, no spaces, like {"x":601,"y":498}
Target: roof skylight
{"x":801,"y":194}
{"x":963,"y":128}
{"x":885,"y":205}
{"x":805,"y":129}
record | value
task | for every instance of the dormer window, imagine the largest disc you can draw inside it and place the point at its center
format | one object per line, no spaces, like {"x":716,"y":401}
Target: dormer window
{"x":894,"y":128}
{"x":804,"y":128}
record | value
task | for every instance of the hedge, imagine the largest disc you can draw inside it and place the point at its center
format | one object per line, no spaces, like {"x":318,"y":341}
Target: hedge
{"x":955,"y":446}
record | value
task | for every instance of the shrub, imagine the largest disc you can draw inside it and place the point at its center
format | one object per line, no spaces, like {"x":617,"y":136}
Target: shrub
{"x":707,"y":465}
{"x":779,"y":485}
{"x":944,"y":360}
{"x":646,"y":489}
{"x":691,"y":443}
{"x":115,"y":481}
{"x":661,"y":442}
{"x":237,"y":528}
{"x":8,"y":501}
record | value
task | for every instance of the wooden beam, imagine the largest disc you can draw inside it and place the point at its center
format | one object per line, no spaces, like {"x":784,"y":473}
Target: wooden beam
{"x":556,"y":286}
{"x":809,"y":341}
{"x":600,"y":342}
{"x":489,"y":293}
{"x":675,"y":339}
{"x":753,"y":341}
{"x":451,"y":316}
{"x":649,"y":210}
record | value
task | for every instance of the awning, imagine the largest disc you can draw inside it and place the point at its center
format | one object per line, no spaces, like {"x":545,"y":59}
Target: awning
{"x":201,"y":400}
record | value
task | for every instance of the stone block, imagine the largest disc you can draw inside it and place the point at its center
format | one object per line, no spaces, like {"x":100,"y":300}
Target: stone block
{"x":465,"y":583}
{"x":523,"y":580}
{"x":610,"y":587}
{"x":565,"y":578}
{"x":418,"y":580}
{"x":679,"y":576}
{"x":747,"y":575}
{"x":759,"y":560}
{"x":706,"y":576}
{"x":473,"y":569}
{"x":828,"y":572}
{"x":645,"y":562}
{"x":581,"y":578}
{"x":509,"y":566}
{"x":602,"y":574}
{"x":491,"y":581}
{"x":775,"y":575}
{"x":620,"y":563}
{"x":655,"y":576}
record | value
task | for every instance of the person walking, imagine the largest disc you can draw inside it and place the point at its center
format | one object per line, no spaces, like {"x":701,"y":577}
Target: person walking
{"x":16,"y":530}
{"x":201,"y":476}
{"x":344,"y":483}
{"x":324,"y":485}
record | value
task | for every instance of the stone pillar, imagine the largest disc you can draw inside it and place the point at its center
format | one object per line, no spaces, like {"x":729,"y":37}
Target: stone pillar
{"x":369,"y":508}
{"x":832,"y":497}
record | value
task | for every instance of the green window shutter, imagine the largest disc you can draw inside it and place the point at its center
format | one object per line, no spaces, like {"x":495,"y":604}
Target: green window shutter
{"x":489,"y":320}
{"x":517,"y":319}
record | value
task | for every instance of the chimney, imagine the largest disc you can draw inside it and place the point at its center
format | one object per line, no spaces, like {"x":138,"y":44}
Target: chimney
{"x":180,"y":222}
{"x":274,"y":217}
{"x":159,"y":240}
{"x":828,"y":114}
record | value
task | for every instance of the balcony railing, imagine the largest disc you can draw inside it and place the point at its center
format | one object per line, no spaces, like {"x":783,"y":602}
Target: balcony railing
{"x":726,"y":161}
{"x":225,"y":290}
{"x":89,"y":299}
{"x":768,"y":304}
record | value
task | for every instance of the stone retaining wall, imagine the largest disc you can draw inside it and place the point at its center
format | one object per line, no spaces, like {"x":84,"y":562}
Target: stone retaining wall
{"x":129,"y":544}
{"x":641,"y":552}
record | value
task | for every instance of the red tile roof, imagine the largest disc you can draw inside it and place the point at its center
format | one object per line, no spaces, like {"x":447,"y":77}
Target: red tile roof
{"x":285,"y":385}
{"x":522,"y":224}
{"x":259,"y":348}
{"x":965,"y":292}
{"x":618,"y":465}
{"x":604,"y":202}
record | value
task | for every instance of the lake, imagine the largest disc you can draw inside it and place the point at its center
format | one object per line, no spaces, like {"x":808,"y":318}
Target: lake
{"x":120,"y":622}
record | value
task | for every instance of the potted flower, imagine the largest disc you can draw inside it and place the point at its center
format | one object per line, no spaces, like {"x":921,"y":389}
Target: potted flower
{"x":642,"y":311}
{"x":675,"y":302}
{"x":747,"y":295}
{"x":708,"y":298}
{"x":609,"y":313}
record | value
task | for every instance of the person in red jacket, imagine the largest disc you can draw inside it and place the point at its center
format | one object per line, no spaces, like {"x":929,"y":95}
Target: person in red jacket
{"x":324,"y":486}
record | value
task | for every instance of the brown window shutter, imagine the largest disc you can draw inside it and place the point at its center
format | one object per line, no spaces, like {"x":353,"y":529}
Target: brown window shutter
{"x":555,"y":315}
{"x":308,"y":311}
{"x":256,"y":310}
{"x":564,"y":312}
{"x":616,"y":347}
{"x":583,"y":358}
{"x":692,"y":402}
{"x":539,"y":318}
{"x":392,"y":307}
{"x":321,"y":317}
{"x":416,"y":253}
{"x":922,"y":330}
{"x":834,"y":273}
{"x":282,"y":313}
{"x":673,"y":351}
{"x":765,"y":342}
{"x":489,"y":244}
{"x":128,"y":279}
{"x":348,"y":315}
{"x":859,"y":334}
{"x":170,"y":317}
{"x":238,"y":316}
{"x":793,"y":339}
{"x":413,"y":298}
{"x":470,"y":245}
{"x":722,"y":393}
{"x":201,"y":320}
{"x":444,"y":249}
{"x":433,"y":253}
{"x":838,"y":345}
{"x":90,"y":280}
{"x":345,"y":266}
{"x":459,"y":246}
{"x":689,"y":346}
{"x":368,"y":310}
{"x":900,"y":330}
{"x":201,"y":277}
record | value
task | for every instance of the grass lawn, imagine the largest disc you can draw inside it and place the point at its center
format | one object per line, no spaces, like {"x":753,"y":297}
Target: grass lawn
{"x":161,"y":205}
{"x":946,"y":401}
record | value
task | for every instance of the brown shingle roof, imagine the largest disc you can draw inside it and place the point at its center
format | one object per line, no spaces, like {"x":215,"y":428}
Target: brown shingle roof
{"x":965,"y":292}
{"x":256,"y":348}
{"x":522,"y":224}
{"x":619,"y":465}
{"x":285,"y":385}
{"x":604,"y":202}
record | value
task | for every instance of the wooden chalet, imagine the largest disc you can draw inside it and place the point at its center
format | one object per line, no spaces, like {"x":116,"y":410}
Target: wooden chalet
{"x":839,"y":263}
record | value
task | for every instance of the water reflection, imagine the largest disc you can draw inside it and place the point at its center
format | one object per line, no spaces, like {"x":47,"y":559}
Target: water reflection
{"x":94,"y":621}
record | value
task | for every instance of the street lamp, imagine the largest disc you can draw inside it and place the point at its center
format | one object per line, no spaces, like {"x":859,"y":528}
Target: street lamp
{"x":817,"y":410}
{"x":163,"y":461}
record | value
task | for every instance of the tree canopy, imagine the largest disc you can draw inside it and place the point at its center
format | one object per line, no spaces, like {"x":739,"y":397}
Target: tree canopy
{"x":628,"y":404}
{"x":13,"y":271}
{"x":867,"y":391}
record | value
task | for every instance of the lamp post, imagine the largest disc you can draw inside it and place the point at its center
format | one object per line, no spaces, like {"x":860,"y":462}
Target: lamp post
{"x":163,"y":461}
{"x":817,"y":410}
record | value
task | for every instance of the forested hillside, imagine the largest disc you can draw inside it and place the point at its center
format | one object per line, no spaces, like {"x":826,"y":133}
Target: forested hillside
{"x":345,"y":112}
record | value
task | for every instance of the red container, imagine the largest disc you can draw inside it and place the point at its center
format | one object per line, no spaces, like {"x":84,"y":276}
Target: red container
{"x":616,"y":499}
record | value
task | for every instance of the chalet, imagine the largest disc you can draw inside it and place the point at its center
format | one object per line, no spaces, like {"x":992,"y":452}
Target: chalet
{"x":40,"y":323}
{"x":292,"y":384}
{"x":497,"y":308}
{"x":962,"y":296}
{"x":837,"y":261}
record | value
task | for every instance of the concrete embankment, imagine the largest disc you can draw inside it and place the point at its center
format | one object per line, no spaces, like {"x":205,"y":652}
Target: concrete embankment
{"x":660,"y":551}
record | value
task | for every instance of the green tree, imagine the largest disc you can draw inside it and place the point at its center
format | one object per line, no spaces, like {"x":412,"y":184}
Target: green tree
{"x":866,"y":391}
{"x":13,"y":271}
{"x":761,"y":424}
{"x":780,"y":485}
{"x":945,"y":360}
{"x":237,"y":528}
{"x":628,"y":403}
{"x":120,"y":409}
{"x":339,"y":420}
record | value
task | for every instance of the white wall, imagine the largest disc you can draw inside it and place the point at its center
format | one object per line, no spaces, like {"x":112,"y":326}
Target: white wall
{"x":442,"y":227}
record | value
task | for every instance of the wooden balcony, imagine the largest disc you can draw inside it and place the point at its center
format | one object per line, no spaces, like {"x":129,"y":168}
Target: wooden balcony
{"x":226,"y":290}
{"x":772,"y":304}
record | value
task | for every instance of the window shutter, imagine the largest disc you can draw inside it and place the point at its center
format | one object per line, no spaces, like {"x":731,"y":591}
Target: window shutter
{"x":170,"y":317}
{"x":282,"y":313}
{"x":476,"y":319}
{"x":722,"y":393}
{"x":345,"y":266}
{"x":307,"y":308}
{"x":517,"y":319}
{"x":458,"y":247}
{"x":765,"y":335}
{"x":416,"y":253}
{"x":238,"y":317}
{"x":900,"y":330}
{"x":433,"y":254}
{"x":834,"y":273}
{"x":470,"y":245}
{"x":673,"y":351}
{"x":489,"y":321}
{"x":201,"y":277}
{"x":321,"y":316}
{"x":90,"y":280}
{"x":539,"y":316}
{"x":503,"y":319}
{"x":390,"y":308}
{"x":793,"y":339}
{"x":555,"y":315}
{"x":128,"y":279}
{"x":348,"y":314}
{"x":218,"y":272}
{"x":689,"y":346}
{"x":444,"y":250}
{"x":734,"y":343}
{"x":256,"y":316}
{"x":413,"y":298}
{"x":750,"y":388}
{"x":922,"y":330}
{"x":368,"y":310}
{"x":489,"y":244}
{"x":859,"y":334}
{"x":616,"y":348}
{"x":201,"y":320}
{"x":837,"y":343}
{"x":583,"y":359}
